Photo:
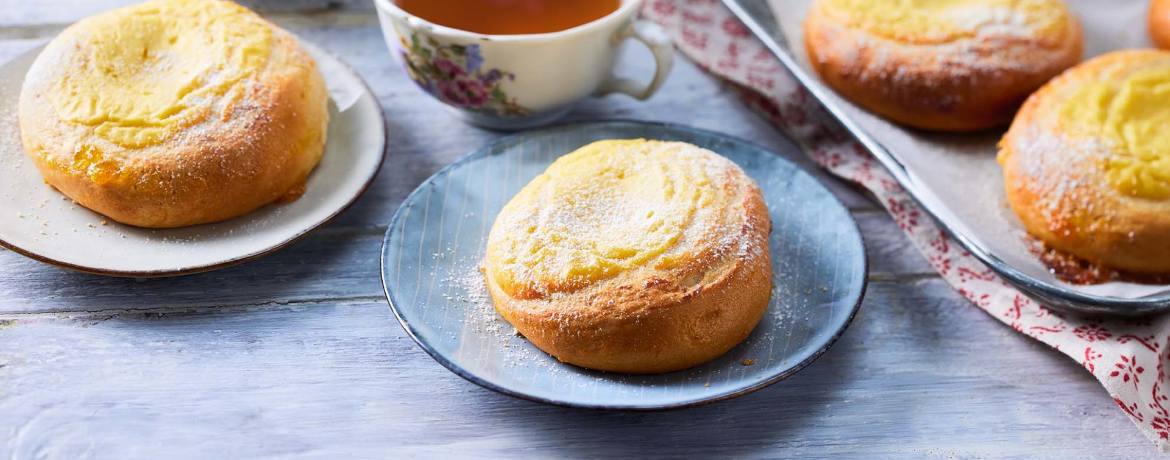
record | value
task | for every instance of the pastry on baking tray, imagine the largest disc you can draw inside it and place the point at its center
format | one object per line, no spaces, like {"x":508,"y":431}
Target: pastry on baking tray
{"x":633,"y":256}
{"x":1159,"y":23}
{"x":945,"y":65}
{"x":174,"y":112}
{"x":1087,"y":162}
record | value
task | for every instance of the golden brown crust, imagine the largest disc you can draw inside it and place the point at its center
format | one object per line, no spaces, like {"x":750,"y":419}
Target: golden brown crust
{"x":250,"y":154}
{"x":653,"y":321}
{"x":1159,"y":23}
{"x":974,"y":84}
{"x":1055,"y":184}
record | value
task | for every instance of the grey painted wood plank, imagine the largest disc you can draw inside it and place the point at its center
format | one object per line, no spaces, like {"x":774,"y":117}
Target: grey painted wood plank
{"x":336,"y":263}
{"x":911,"y":378}
{"x":890,"y":252}
{"x":11,"y":48}
{"x":327,"y":265}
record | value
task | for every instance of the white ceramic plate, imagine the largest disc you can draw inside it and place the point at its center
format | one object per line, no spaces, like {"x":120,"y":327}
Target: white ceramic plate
{"x":39,"y":222}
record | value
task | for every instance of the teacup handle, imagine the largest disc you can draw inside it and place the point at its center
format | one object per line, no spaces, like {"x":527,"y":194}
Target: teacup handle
{"x":659,"y":43}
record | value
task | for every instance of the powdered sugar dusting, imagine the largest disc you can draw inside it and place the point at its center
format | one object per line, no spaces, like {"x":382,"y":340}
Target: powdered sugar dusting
{"x":564,"y":232}
{"x":1062,"y":172}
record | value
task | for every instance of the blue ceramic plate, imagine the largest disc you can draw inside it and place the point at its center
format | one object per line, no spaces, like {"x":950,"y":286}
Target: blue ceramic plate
{"x":432,"y":251}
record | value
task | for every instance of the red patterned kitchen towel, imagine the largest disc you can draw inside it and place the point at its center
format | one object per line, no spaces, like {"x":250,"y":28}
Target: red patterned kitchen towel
{"x":1126,"y":355}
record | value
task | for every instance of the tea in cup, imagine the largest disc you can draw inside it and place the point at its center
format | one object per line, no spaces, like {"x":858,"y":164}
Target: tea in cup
{"x":514,"y":64}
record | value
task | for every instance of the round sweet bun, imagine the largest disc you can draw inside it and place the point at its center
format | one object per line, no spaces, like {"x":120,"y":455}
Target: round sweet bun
{"x":1086,"y":162}
{"x":943,"y":65}
{"x":633,"y":256}
{"x":1159,"y":23}
{"x":174,"y":112}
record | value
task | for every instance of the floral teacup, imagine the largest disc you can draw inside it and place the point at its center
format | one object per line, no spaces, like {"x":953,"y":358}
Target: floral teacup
{"x":521,"y":81}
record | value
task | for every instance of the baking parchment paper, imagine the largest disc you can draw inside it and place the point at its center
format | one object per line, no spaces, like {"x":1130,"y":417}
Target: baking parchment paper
{"x":958,"y":174}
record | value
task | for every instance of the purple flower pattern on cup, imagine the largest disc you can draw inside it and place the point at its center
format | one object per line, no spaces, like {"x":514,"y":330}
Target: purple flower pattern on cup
{"x":448,"y":69}
{"x":473,"y":58}
{"x":455,"y":75}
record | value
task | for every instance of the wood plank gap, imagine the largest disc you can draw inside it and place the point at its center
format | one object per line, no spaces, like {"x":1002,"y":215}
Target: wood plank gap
{"x":360,"y":231}
{"x":7,"y":318}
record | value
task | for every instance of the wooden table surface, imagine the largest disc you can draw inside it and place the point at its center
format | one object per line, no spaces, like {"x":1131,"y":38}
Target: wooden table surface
{"x":297,"y":355}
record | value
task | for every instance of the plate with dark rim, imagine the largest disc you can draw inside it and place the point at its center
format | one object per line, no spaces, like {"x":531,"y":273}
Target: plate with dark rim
{"x":435,"y":243}
{"x":41,"y":223}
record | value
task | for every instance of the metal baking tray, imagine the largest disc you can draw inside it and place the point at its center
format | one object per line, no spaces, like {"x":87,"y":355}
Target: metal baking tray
{"x":967,"y":223}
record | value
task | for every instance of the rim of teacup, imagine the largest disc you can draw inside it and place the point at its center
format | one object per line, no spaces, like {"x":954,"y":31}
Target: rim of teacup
{"x":624,"y":9}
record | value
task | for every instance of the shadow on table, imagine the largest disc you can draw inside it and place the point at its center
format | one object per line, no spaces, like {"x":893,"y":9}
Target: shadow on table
{"x":735,"y":428}
{"x":324,"y":265}
{"x":339,"y":261}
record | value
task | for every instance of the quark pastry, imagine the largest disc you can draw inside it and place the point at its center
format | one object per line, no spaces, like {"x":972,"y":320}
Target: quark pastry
{"x":174,"y":112}
{"x":1086,"y":162}
{"x":1159,"y":23}
{"x":633,"y":256}
{"x":944,"y":65}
